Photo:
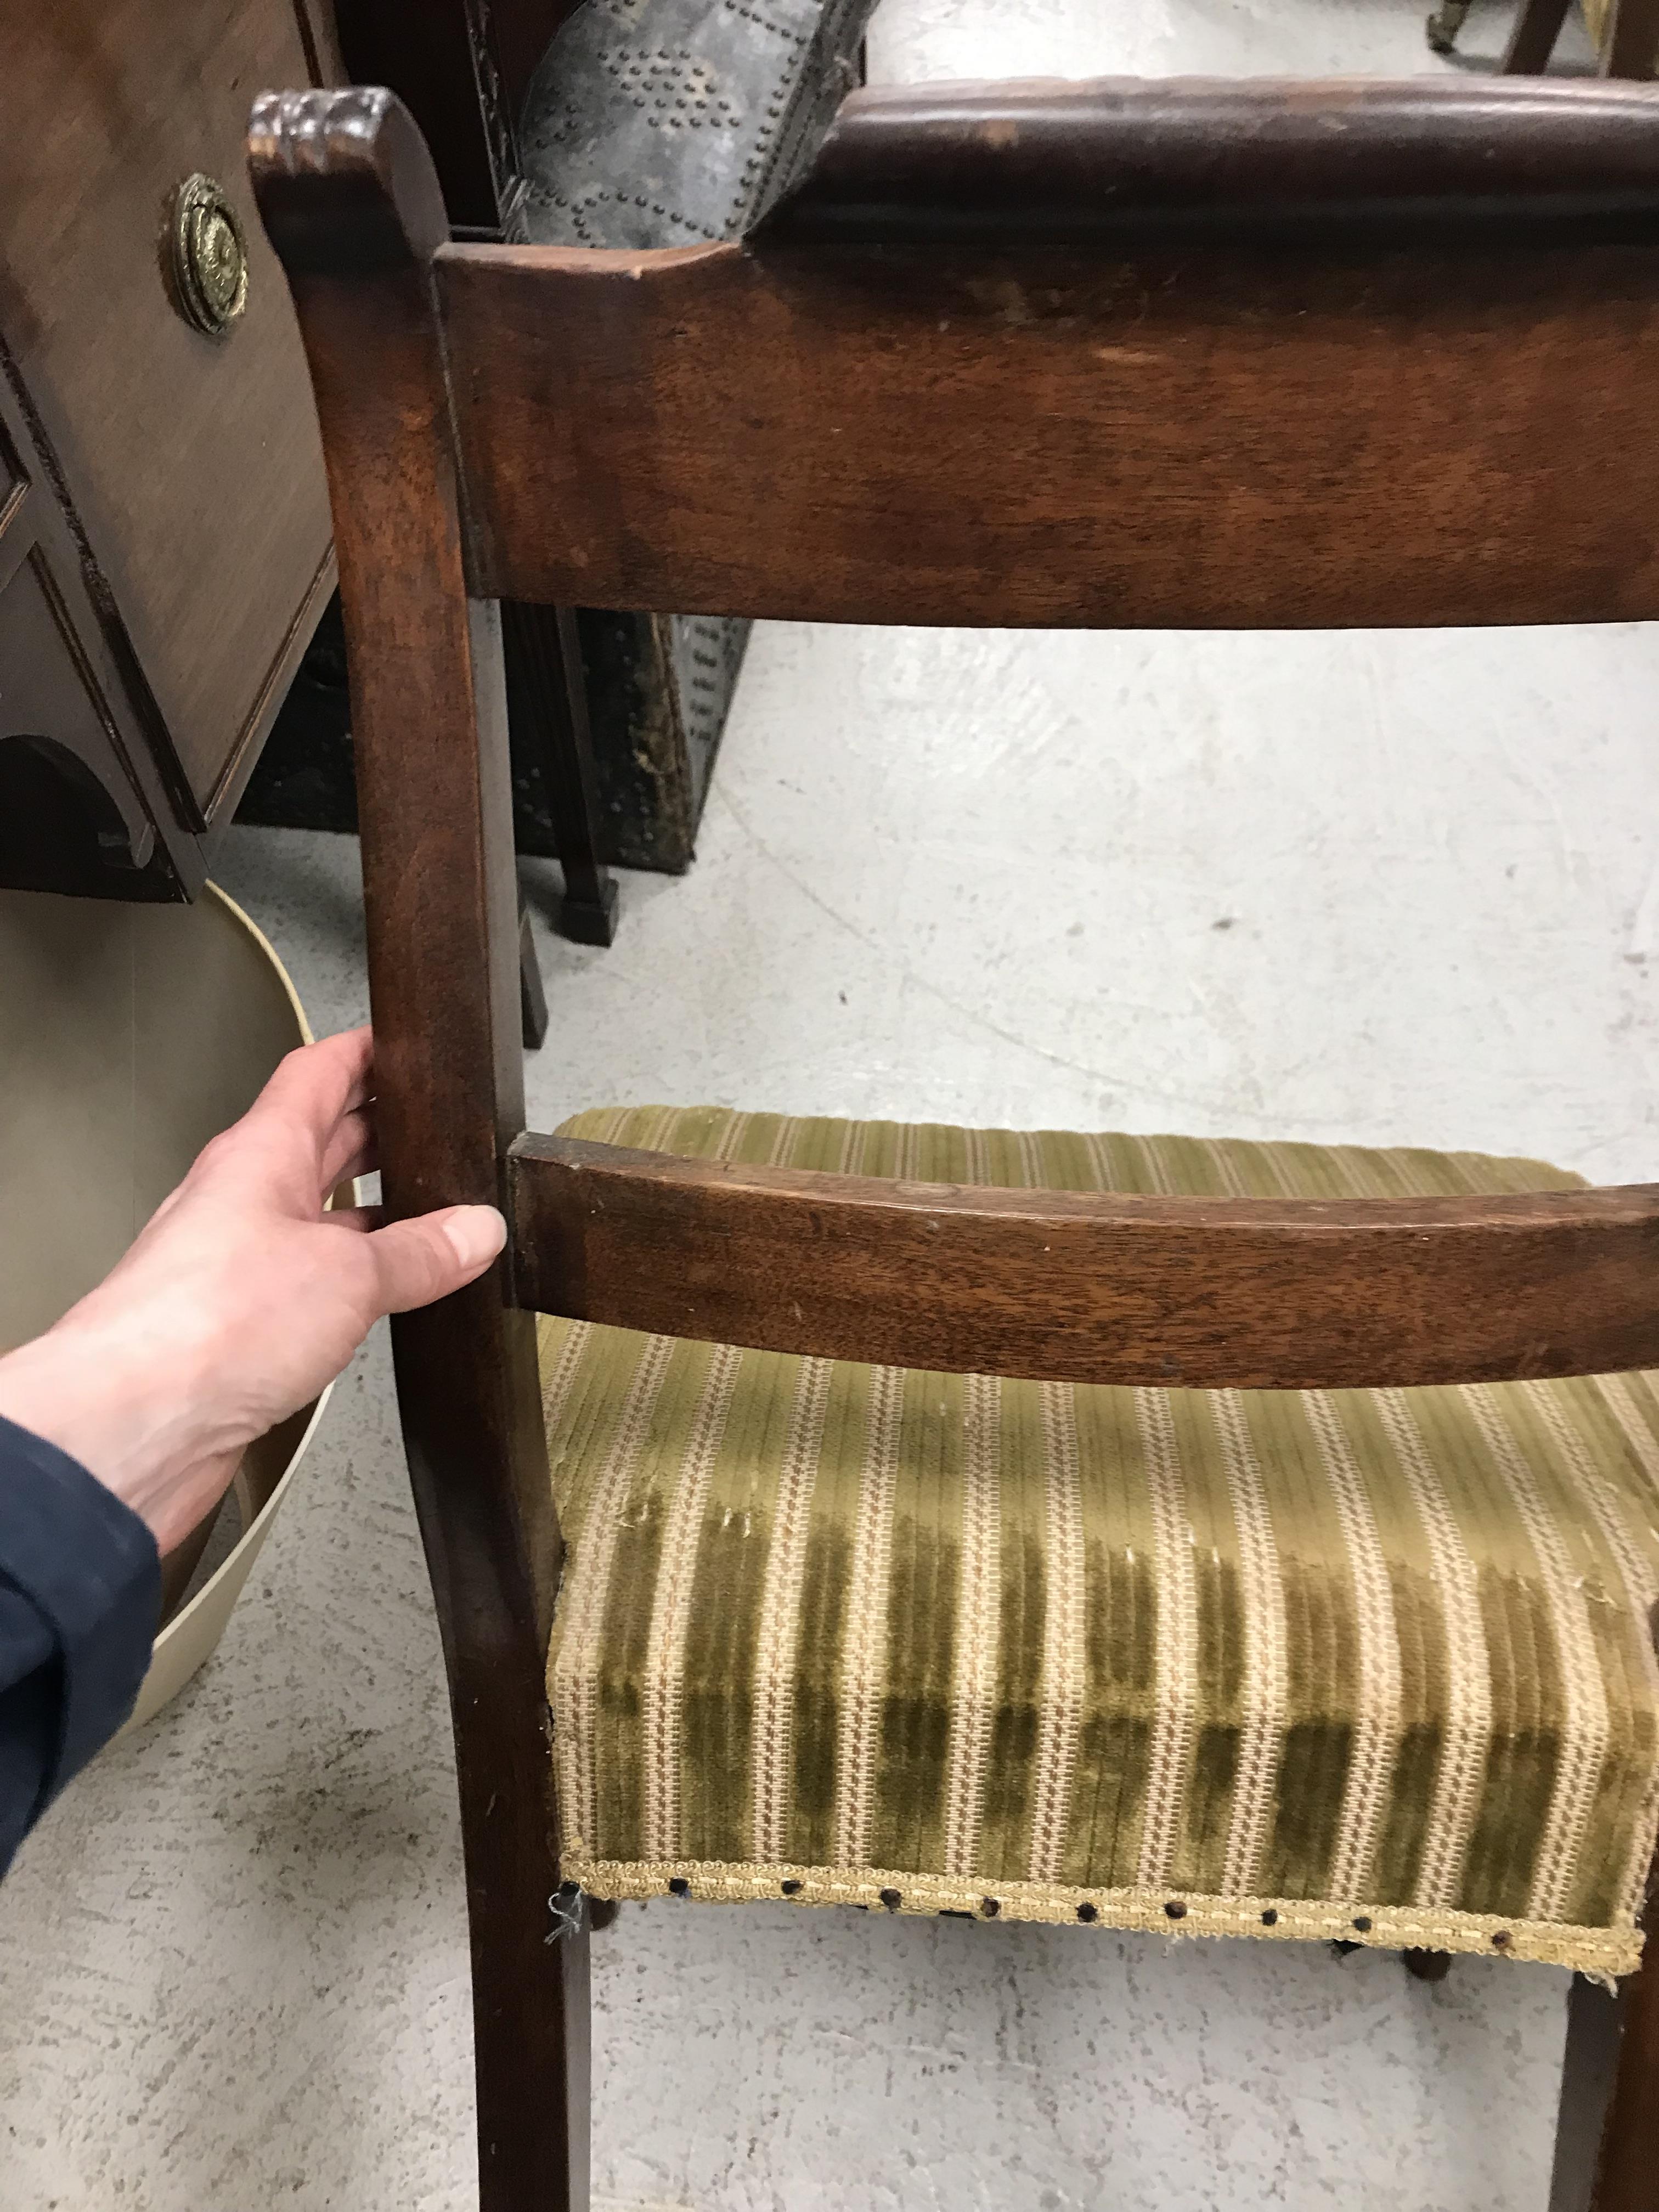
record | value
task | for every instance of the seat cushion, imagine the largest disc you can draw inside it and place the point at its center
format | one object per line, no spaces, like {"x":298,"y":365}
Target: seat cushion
{"x":1373,"y":1665}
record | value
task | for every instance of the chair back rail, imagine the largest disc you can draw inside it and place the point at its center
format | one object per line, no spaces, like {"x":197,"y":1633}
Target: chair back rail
{"x":1232,"y":157}
{"x":1086,"y":1288}
{"x":1199,"y":356}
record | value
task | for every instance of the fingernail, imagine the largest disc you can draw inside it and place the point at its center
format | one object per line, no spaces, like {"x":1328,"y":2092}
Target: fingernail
{"x":477,"y":1233}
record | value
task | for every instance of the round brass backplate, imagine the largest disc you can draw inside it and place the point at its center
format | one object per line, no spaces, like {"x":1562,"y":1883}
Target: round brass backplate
{"x":209,"y":254}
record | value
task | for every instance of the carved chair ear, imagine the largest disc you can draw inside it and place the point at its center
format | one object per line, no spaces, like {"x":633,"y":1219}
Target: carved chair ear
{"x":344,"y":184}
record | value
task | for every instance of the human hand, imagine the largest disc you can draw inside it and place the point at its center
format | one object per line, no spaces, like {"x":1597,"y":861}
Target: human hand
{"x":240,"y":1298}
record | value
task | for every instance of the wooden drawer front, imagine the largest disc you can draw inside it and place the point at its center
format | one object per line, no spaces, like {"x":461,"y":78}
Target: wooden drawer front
{"x":192,"y":462}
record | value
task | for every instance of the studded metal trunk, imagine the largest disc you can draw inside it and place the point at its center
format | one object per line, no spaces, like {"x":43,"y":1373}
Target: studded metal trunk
{"x":668,"y":123}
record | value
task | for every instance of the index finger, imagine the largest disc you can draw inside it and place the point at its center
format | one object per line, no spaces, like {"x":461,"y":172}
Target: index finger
{"x":320,"y":1084}
{"x":290,"y":1137}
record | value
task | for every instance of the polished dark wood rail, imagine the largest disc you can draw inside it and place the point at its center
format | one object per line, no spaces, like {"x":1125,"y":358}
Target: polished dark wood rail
{"x":1119,"y":158}
{"x":1201,"y":356}
{"x":1208,"y":441}
{"x":1209,"y":1294}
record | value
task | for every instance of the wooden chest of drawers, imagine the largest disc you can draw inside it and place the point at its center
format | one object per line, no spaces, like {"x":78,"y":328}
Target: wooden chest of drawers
{"x":164,"y":525}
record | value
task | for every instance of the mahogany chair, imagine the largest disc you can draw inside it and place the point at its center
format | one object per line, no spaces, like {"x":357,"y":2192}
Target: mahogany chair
{"x":1285,"y":1588}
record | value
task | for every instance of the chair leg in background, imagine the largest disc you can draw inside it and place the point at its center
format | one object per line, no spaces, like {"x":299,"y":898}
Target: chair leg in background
{"x":1532,"y":41}
{"x":532,"y":995}
{"x":1443,"y":26}
{"x":1631,"y":47}
{"x":548,"y":702}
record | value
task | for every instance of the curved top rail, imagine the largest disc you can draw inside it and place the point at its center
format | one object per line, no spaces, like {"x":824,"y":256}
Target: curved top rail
{"x":1022,"y":162}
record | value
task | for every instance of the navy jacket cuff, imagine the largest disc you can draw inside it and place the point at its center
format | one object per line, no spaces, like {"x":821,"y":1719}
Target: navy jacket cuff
{"x":89,"y":1568}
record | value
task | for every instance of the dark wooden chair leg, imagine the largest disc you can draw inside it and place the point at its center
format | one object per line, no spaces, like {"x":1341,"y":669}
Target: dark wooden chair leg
{"x":532,"y":995}
{"x":1532,"y":41}
{"x":1632,"y":45}
{"x":1427,"y":1965}
{"x":530,"y":1997}
{"x":547,"y":700}
{"x":572,"y":2096}
{"x":1607,"y":2139}
{"x":531,"y":2003}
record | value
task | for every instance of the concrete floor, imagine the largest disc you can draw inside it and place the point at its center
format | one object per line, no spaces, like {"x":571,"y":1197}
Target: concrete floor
{"x":1383,"y":888}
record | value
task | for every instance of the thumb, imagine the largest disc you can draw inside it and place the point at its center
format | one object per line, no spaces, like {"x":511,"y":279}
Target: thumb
{"x":433,"y":1254}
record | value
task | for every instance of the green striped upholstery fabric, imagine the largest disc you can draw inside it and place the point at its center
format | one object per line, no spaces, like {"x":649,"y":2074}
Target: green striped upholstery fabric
{"x":1366,"y":1664}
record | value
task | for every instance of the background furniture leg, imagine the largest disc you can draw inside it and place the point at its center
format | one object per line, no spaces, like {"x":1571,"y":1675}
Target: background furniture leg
{"x":1630,"y":47}
{"x":532,"y":997}
{"x":1532,"y":41}
{"x":547,"y":708}
{"x":1443,"y":26}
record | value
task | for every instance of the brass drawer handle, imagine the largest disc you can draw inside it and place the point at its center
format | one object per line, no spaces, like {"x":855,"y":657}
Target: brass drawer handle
{"x":209,"y":255}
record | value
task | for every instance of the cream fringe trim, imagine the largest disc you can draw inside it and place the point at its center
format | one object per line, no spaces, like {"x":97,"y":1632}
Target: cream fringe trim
{"x":1600,"y":1952}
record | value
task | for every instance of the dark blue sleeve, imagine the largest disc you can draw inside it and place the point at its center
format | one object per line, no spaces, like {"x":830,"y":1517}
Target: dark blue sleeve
{"x":80,"y":1597}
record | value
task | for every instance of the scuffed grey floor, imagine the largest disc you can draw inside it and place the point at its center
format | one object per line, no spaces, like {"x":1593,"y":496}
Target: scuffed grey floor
{"x":1384,"y":888}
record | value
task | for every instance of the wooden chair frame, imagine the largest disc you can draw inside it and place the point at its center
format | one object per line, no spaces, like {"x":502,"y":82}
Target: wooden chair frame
{"x":1154,"y":356}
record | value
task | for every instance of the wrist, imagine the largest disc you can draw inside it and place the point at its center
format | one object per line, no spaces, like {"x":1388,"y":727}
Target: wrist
{"x":96,"y":1395}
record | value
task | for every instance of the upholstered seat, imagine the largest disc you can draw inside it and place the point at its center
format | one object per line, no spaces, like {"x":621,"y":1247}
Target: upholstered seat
{"x":1373,"y":1665}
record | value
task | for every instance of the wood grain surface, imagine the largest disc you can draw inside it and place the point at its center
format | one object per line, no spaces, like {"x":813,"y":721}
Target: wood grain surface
{"x":1244,"y":1293}
{"x":192,"y":463}
{"x":1310,"y":164}
{"x":351,"y":201}
{"x":1246,"y":420}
